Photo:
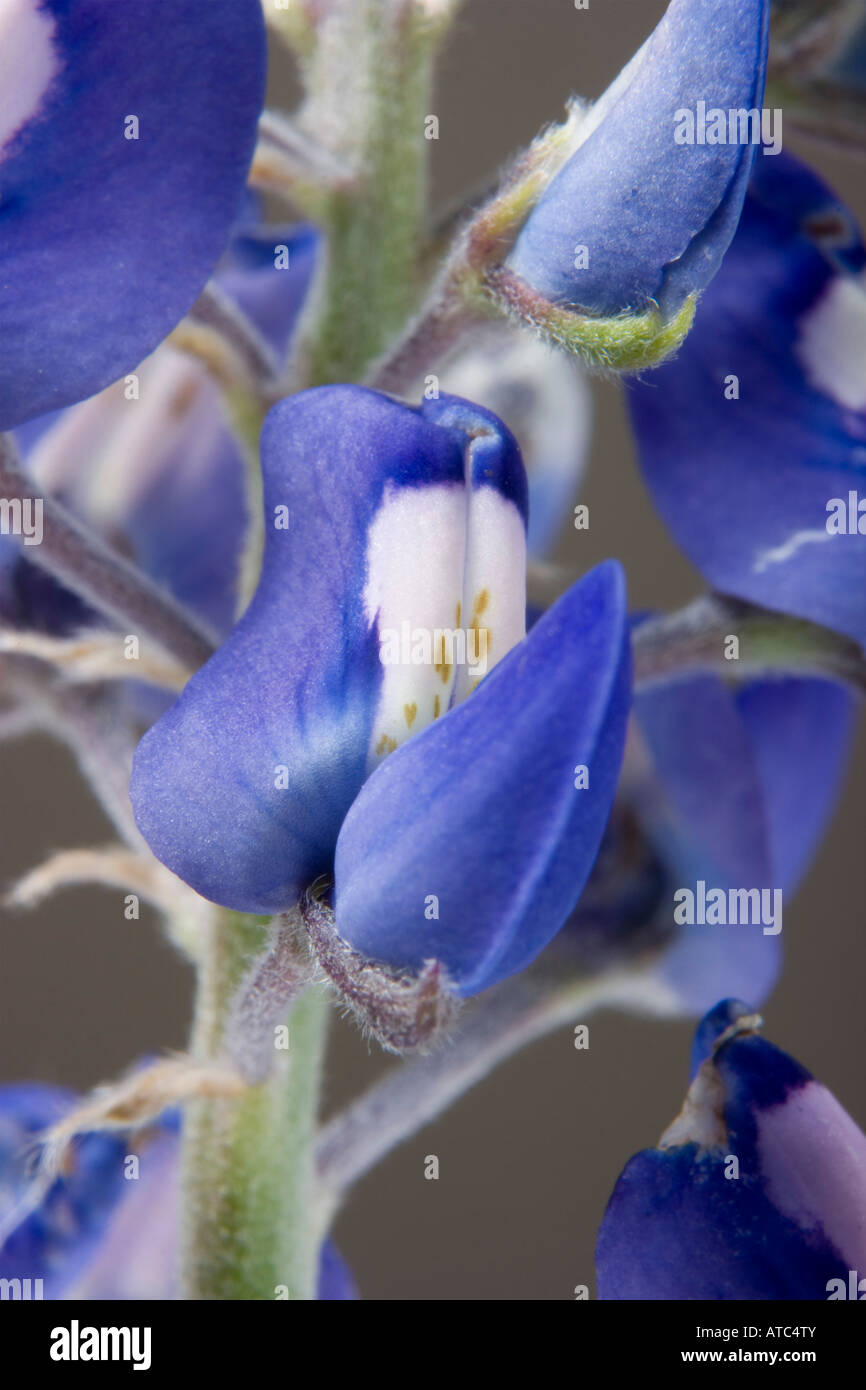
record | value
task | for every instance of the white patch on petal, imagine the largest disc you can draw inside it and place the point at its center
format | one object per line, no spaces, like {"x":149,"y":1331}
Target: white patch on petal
{"x":831,"y":345}
{"x":813,"y":1160}
{"x":780,"y":554}
{"x":416,"y":554}
{"x":447,"y":586}
{"x":494,"y":586}
{"x":28,"y":63}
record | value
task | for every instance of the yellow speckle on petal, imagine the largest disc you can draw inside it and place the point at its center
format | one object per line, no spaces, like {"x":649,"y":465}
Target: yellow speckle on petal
{"x":437,"y":707}
{"x":410,"y":711}
{"x":386,"y":744}
{"x":441,"y":664}
{"x":481,"y":604}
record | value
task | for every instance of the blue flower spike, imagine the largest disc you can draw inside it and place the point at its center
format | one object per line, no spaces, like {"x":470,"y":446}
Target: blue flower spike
{"x":385,"y":650}
{"x":125,"y":143}
{"x":635,"y":225}
{"x":756,"y":1191}
{"x":753,"y":441}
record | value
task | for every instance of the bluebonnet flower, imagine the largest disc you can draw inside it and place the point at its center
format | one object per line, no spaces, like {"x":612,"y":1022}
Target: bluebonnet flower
{"x":639,"y":217}
{"x":94,"y":1231}
{"x":124,"y":150}
{"x":160,"y":472}
{"x":753,"y":441}
{"x":729,"y":788}
{"x":756,"y":1191}
{"x":256,"y":781}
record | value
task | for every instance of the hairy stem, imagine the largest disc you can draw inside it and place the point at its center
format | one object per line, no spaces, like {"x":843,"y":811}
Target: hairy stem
{"x":427,"y":342}
{"x":461,"y":295}
{"x":293,"y":165}
{"x":369,"y":82}
{"x":247,"y":1166}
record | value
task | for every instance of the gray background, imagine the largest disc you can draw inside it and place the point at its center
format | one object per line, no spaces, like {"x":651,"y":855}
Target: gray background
{"x":528,"y":1159}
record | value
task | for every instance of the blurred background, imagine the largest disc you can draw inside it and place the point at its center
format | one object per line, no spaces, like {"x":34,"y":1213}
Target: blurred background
{"x":529,"y":1158}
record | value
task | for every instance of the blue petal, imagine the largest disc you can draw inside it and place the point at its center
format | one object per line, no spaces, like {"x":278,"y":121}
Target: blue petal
{"x":108,"y":240}
{"x":677,"y":1229}
{"x":54,"y":1240}
{"x":702,"y":752}
{"x":242,"y":786}
{"x":137,"y":1254}
{"x":335,"y":1278}
{"x":497,"y":837}
{"x":754,"y":774}
{"x":747,"y":782}
{"x":787,"y":1225}
{"x":745,"y":484}
{"x":655,"y":216}
{"x":802,"y":732}
{"x":270,"y":289}
{"x":704,"y":810}
{"x":712,"y":1026}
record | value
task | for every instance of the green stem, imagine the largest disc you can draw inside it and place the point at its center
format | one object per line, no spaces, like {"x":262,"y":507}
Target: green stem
{"x":370,"y":84}
{"x":249,"y":1231}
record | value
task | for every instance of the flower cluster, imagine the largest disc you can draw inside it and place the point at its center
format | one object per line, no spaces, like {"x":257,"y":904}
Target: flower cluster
{"x":388,"y":759}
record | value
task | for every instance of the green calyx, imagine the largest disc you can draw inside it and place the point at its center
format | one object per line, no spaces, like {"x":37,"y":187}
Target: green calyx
{"x":623,"y":343}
